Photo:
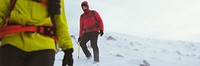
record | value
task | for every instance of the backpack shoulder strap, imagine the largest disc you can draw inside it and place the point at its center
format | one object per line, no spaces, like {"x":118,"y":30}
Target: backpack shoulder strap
{"x":12,"y":5}
{"x":82,"y":18}
{"x":97,"y":22}
{"x":94,"y":16}
{"x":93,"y":26}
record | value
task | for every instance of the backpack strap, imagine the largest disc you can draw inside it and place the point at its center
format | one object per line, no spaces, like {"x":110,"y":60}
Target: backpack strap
{"x":82,"y":17}
{"x":12,"y":5}
{"x":97,"y":22}
{"x":7,"y":29}
{"x":93,"y":26}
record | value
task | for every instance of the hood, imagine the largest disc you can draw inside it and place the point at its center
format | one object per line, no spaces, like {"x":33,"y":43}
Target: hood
{"x":85,"y":3}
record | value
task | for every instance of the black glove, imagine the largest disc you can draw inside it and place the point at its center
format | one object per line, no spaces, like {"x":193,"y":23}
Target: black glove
{"x":68,"y":58}
{"x":54,"y":7}
{"x":79,"y":39}
{"x":101,"y":33}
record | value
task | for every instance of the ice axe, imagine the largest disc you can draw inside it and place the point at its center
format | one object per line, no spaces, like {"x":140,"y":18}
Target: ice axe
{"x":78,"y":49}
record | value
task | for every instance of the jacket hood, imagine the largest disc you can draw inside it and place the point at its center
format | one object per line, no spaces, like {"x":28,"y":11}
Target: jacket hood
{"x":85,"y":3}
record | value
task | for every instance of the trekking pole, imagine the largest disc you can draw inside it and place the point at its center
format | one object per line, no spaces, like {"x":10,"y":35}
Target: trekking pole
{"x":78,"y":49}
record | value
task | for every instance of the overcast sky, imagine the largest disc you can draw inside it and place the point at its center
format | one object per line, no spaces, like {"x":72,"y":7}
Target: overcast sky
{"x":166,"y":19}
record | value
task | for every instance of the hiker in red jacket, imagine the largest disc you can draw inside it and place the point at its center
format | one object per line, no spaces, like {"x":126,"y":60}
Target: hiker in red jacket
{"x":91,"y":26}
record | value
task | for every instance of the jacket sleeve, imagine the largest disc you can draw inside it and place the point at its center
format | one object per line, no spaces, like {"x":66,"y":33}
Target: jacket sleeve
{"x":100,"y":21}
{"x":3,"y":10}
{"x":63,"y":35}
{"x":81,"y":26}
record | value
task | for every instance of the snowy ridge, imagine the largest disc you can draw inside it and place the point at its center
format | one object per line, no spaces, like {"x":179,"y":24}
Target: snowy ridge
{"x":126,"y":50}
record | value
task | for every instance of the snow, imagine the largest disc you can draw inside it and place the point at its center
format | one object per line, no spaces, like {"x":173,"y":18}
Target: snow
{"x":166,"y":19}
{"x":127,"y":50}
{"x":155,"y":19}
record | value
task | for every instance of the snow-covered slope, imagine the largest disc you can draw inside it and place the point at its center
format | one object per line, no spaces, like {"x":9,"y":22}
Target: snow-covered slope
{"x":126,"y":50}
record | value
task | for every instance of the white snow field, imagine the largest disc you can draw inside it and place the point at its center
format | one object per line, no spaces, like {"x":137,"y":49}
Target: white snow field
{"x":126,"y":50}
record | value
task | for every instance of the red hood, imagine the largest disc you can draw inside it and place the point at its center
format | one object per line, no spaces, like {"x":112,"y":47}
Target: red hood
{"x":86,"y":4}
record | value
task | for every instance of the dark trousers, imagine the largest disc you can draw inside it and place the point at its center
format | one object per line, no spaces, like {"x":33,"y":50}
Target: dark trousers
{"x":12,"y":56}
{"x":92,"y":36}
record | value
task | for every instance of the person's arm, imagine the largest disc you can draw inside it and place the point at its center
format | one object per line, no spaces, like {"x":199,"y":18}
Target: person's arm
{"x":63,"y":35}
{"x":3,"y":10}
{"x":100,"y":21}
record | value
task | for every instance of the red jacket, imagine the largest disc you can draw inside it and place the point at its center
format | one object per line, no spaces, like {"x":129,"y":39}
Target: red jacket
{"x":87,"y":20}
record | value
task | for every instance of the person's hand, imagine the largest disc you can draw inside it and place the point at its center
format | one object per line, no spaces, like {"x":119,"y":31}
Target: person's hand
{"x":68,"y":58}
{"x":101,"y":33}
{"x":79,"y":39}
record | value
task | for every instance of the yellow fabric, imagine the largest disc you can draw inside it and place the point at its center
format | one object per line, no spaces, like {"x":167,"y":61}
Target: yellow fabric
{"x":28,"y":12}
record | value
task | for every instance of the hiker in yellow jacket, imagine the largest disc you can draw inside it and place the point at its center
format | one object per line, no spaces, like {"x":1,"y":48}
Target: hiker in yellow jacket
{"x":34,"y":48}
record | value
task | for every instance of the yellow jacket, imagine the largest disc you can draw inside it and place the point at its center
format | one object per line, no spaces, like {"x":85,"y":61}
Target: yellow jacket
{"x":28,"y":12}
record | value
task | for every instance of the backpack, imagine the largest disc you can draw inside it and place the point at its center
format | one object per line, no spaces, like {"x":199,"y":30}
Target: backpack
{"x":96,"y":25}
{"x":7,"y":29}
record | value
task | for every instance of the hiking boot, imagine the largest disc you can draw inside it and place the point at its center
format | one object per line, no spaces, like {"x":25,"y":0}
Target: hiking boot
{"x":88,"y":58}
{"x":96,"y":62}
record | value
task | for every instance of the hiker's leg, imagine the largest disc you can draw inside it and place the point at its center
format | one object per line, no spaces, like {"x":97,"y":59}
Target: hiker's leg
{"x":41,"y":58}
{"x":84,"y":40}
{"x":12,"y":56}
{"x":94,"y":39}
